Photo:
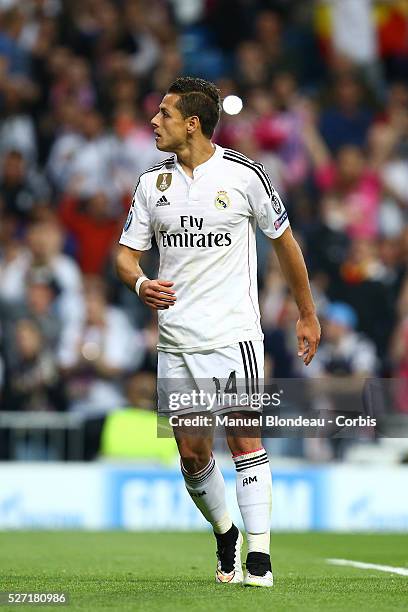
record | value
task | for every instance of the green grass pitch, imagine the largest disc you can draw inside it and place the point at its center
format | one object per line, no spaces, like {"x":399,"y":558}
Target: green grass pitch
{"x":170,"y":571}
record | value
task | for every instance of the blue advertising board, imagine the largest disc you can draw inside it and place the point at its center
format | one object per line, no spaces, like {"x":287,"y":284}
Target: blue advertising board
{"x":143,"y":497}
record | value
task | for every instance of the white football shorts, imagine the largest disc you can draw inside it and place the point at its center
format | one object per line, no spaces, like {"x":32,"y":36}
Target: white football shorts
{"x":216,"y":381}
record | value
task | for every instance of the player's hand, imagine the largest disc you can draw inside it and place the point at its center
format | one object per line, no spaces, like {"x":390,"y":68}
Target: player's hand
{"x":157,"y":294}
{"x":308,"y":336}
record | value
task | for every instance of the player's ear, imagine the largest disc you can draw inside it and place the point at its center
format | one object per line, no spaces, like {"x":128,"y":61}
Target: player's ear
{"x":193,"y":123}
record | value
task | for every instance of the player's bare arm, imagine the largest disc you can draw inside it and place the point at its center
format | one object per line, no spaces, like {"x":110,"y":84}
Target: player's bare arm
{"x":294,"y":269}
{"x":157,"y":294}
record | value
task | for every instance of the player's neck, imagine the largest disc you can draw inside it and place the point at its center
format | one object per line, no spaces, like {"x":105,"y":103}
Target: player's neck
{"x":194,"y":154}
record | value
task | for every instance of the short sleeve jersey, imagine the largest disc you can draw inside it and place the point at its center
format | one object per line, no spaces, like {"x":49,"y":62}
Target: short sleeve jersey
{"x":205,"y":231}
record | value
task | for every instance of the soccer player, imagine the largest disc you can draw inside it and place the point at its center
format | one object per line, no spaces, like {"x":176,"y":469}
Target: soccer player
{"x":203,"y":204}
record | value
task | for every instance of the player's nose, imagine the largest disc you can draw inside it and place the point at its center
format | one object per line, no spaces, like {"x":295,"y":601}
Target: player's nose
{"x":154,"y":121}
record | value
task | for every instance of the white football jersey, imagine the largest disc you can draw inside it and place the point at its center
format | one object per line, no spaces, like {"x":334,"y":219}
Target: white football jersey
{"x":205,"y":231}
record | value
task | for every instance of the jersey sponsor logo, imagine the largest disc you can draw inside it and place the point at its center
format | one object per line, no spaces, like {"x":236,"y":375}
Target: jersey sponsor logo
{"x":164,"y":181}
{"x":277,"y":206}
{"x":222,"y":200}
{"x":163,"y":201}
{"x":281,"y":220}
{"x":128,"y":221}
{"x":190,"y":235}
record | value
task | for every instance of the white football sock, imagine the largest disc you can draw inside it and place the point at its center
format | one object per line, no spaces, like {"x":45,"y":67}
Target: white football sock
{"x":207,"y":490}
{"x":254,"y":496}
{"x":259,"y":542}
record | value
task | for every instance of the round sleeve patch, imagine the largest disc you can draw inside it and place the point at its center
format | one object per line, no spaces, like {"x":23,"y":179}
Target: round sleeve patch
{"x":276,"y":204}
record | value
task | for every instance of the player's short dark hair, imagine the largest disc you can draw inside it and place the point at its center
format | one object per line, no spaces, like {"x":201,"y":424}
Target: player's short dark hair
{"x":198,"y":97}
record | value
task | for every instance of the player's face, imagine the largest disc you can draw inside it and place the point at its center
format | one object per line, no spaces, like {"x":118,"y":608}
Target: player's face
{"x":170,"y":128}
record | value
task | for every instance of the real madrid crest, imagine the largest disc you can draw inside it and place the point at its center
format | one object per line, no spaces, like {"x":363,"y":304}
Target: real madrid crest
{"x":222,"y":200}
{"x":277,"y":206}
{"x":164,"y":181}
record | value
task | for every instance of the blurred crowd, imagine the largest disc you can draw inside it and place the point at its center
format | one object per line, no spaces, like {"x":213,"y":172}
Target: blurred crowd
{"x":324,"y":86}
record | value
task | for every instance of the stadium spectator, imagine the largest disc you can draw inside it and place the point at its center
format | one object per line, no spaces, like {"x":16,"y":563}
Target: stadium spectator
{"x":344,"y":351}
{"x":269,"y":34}
{"x":18,"y":59}
{"x":97,"y":352}
{"x":344,"y":355}
{"x":279,"y":314}
{"x":91,"y":167}
{"x":34,"y":379}
{"x":75,"y":84}
{"x":251,"y":69}
{"x":347,"y":121}
{"x":365,"y":285}
{"x":65,"y":147}
{"x":392,"y":133}
{"x":282,"y":130}
{"x":39,"y":306}
{"x":172,"y":64}
{"x":42,"y":250}
{"x":94,"y":228}
{"x":17,"y":128}
{"x":23,"y":190}
{"x":353,"y":184}
{"x":134,"y":148}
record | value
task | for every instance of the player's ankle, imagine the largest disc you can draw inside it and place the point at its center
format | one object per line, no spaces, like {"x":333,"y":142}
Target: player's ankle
{"x":228,"y":536}
{"x":223,"y":525}
{"x":259,"y":542}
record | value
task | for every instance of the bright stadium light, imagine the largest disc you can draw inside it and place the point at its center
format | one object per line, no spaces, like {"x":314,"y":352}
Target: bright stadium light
{"x":232,"y":105}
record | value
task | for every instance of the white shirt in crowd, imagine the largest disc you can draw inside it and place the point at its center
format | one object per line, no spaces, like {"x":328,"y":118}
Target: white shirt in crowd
{"x":354,"y":350}
{"x":13,"y":278}
{"x":354,"y":29}
{"x":117,"y":343}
